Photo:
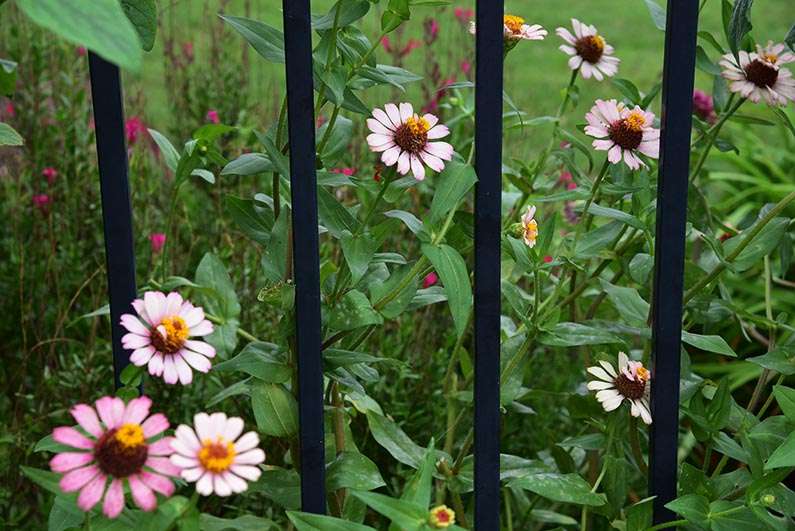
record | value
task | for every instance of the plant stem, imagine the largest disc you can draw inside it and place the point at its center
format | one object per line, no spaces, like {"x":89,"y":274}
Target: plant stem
{"x":634,"y":442}
{"x":242,"y":333}
{"x":713,"y":136}
{"x":755,"y":230}
{"x":667,"y":525}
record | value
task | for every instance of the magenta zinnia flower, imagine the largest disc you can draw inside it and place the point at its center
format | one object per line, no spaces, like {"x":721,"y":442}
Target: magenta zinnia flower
{"x":215,"y":456}
{"x":118,"y":447}
{"x":160,"y":336}
{"x":623,"y":132}
{"x":405,"y":139}
{"x":157,"y":240}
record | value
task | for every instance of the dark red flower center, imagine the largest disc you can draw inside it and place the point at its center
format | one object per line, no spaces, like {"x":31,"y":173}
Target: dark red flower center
{"x":590,"y":48}
{"x":632,"y":389}
{"x":412,"y":136}
{"x":121,"y":452}
{"x":626,"y":133}
{"x":761,"y":74}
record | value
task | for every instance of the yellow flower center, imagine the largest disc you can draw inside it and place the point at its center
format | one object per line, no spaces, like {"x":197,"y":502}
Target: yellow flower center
{"x":412,"y":136}
{"x":513,"y":23}
{"x":441,"y":517}
{"x":417,"y":125}
{"x":643,"y":373}
{"x":170,"y":335}
{"x":636,"y":121}
{"x":130,"y":435}
{"x":770,"y":57}
{"x":217,"y":456}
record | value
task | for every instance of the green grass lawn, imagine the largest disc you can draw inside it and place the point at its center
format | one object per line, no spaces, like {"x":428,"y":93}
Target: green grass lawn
{"x":535,"y":72}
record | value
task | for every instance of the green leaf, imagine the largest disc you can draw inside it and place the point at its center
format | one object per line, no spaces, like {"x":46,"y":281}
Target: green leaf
{"x":338,"y":142}
{"x":408,"y":516}
{"x":207,"y":175}
{"x":657,"y":12}
{"x":394,"y":440}
{"x":9,"y":136}
{"x":211,"y":273}
{"x":640,"y":267}
{"x":419,"y":487}
{"x":739,"y":24}
{"x":781,"y":360}
{"x":275,"y":409}
{"x":247,"y":522}
{"x":627,"y":88}
{"x":714,"y":344}
{"x":249,"y":164}
{"x":319,"y":522}
{"x":790,"y":38}
{"x":762,"y":245}
{"x":8,"y":77}
{"x":577,"y":334}
{"x":593,"y":242}
{"x":99,"y":25}
{"x":784,"y":455}
{"x":785,"y":396}
{"x":265,"y":39}
{"x":352,"y":470}
{"x":43,"y":478}
{"x":64,"y":515}
{"x":453,"y":183}
{"x":350,"y":12}
{"x":705,"y":64}
{"x":731,"y":516}
{"x":274,"y":259}
{"x":408,"y":219}
{"x":167,"y":149}
{"x":143,"y":15}
{"x":358,"y":251}
{"x":453,"y":271}
{"x":693,"y":507}
{"x":265,"y":361}
{"x":632,"y":307}
{"x":618,"y":215}
{"x":352,"y":312}
{"x":333,"y":215}
{"x":396,"y":12}
{"x":280,"y":485}
{"x":566,"y":488}
{"x":250,"y":218}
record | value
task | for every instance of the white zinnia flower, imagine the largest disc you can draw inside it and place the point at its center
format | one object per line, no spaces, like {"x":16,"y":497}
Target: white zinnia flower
{"x":215,"y":456}
{"x":515,"y":29}
{"x":588,"y":50}
{"x":759,"y":74}
{"x":631,"y":382}
{"x":623,"y":132}
{"x":530,"y":227}
{"x":405,"y":139}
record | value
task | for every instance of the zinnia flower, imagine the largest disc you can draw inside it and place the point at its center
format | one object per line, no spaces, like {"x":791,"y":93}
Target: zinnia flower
{"x":134,"y":128}
{"x":623,"y":132}
{"x":530,"y":227}
{"x":119,"y":447}
{"x":463,"y":14}
{"x":158,"y":240}
{"x":515,"y":29}
{"x":212,"y":117}
{"x":405,"y":139}
{"x":589,"y":51}
{"x":160,"y":336}
{"x":441,"y":516}
{"x":215,"y":456}
{"x":703,"y":106}
{"x":759,"y":74}
{"x":630,"y":382}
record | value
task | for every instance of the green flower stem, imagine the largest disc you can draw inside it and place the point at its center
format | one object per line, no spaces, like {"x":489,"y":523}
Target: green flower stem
{"x":713,"y":136}
{"x":753,"y":233}
{"x":584,"y":513}
{"x":634,"y":442}
{"x":668,"y":525}
{"x":586,"y":216}
{"x":169,"y":229}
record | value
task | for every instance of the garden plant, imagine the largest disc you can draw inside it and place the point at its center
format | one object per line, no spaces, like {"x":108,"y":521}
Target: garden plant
{"x":203,"y":431}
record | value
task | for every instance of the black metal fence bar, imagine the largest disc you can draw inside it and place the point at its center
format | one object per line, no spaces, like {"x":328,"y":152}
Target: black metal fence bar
{"x":106,"y":96}
{"x":306,"y":268}
{"x":488,"y":192}
{"x":677,"y":103}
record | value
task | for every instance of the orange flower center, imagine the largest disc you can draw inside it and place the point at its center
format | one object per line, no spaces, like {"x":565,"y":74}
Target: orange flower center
{"x":441,"y":517}
{"x":170,"y":335}
{"x":217,"y":456}
{"x":513,"y":23}
{"x":590,"y":48}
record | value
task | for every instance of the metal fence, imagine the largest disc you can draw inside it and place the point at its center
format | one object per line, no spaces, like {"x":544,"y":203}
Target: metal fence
{"x":677,"y":91}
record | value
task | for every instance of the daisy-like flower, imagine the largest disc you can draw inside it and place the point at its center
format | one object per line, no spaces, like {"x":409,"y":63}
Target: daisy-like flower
{"x":589,"y":51}
{"x":515,"y":29}
{"x":441,"y":516}
{"x":404,"y":138}
{"x":623,"y":132}
{"x":630,"y":382}
{"x":530,"y":227}
{"x":160,"y":336}
{"x":215,"y":456}
{"x":119,"y":447}
{"x":759,"y":74}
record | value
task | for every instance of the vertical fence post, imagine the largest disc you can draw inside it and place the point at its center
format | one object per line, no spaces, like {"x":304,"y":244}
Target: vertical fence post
{"x":106,"y":96}
{"x":488,"y":196}
{"x":306,"y":268}
{"x":677,"y":104}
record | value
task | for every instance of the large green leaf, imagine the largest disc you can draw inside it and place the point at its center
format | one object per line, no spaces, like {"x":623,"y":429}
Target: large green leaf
{"x":211,"y":273}
{"x":64,"y":515}
{"x":247,"y":522}
{"x":785,"y":396}
{"x":784,"y":455}
{"x":320,"y":522}
{"x":353,"y":311}
{"x":99,"y":25}
{"x":266,"y":40}
{"x":762,"y":245}
{"x":566,"y":488}
{"x":693,"y":507}
{"x":358,"y":251}
{"x":455,"y":180}
{"x":394,"y":440}
{"x":352,"y":470}
{"x":781,"y":360}
{"x":739,"y":24}
{"x":143,"y":15}
{"x":714,"y":344}
{"x":577,"y":334}
{"x":628,"y":302}
{"x":9,"y":136}
{"x":275,"y":409}
{"x":453,"y":271}
{"x":407,"y":515}
{"x":265,"y":361}
{"x":253,"y":220}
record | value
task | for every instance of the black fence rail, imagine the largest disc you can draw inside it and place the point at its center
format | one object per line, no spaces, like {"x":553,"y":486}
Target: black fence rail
{"x":677,"y":91}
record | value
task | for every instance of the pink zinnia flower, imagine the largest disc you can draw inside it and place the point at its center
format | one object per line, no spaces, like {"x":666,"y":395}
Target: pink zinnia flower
{"x":134,"y":128}
{"x":623,"y":132}
{"x":404,"y":138}
{"x":344,"y":171}
{"x":703,"y":106}
{"x":158,"y":240}
{"x":118,"y":446}
{"x":466,"y":67}
{"x":50,"y":174}
{"x":430,"y":280}
{"x":212,"y":117}
{"x":463,"y":15}
{"x":548,"y":259}
{"x":760,"y":75}
{"x":42,"y":202}
{"x":159,"y":336}
{"x":215,"y":456}
{"x":588,"y":50}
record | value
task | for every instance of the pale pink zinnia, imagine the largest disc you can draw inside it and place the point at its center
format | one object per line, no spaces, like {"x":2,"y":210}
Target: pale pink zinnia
{"x":404,"y":138}
{"x":530,"y":227}
{"x":215,"y":456}
{"x":759,"y":74}
{"x":588,"y":50}
{"x":630,"y":382}
{"x":623,"y":132}
{"x":515,"y":29}
{"x":160,"y":336}
{"x":118,"y":445}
